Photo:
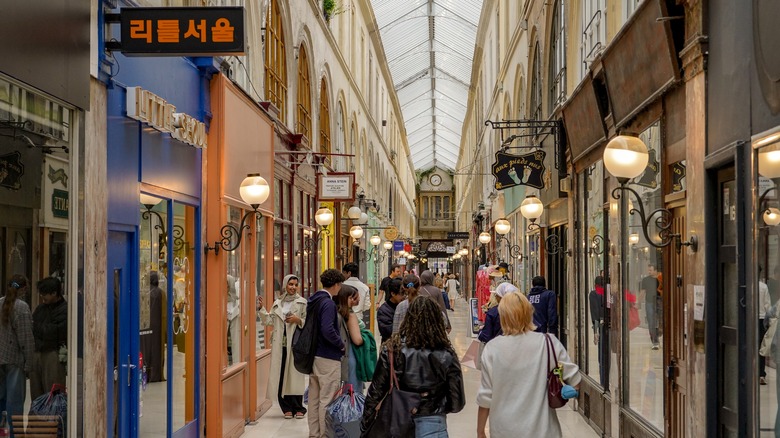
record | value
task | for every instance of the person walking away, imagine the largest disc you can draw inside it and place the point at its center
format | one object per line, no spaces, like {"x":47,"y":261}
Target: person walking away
{"x":326,"y":373}
{"x":513,"y":391}
{"x":452,"y":289}
{"x":50,"y":332}
{"x":425,"y":363}
{"x":764,"y":304}
{"x":351,"y":273}
{"x":596,"y":307}
{"x":18,"y":345}
{"x":387,"y":310}
{"x":427,"y":289}
{"x":492,"y":327}
{"x":395,"y":272}
{"x":410,"y":286}
{"x":648,"y":288}
{"x":545,"y":306}
{"x":349,"y":330}
{"x":287,"y":313}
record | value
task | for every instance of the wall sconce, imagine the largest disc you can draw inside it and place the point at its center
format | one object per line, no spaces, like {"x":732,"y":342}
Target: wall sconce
{"x":484,"y":238}
{"x":323,"y":217}
{"x":149,"y":202}
{"x":772,"y":217}
{"x":626,"y":157}
{"x":532,"y":209}
{"x":254,"y":190}
{"x":633,"y":238}
{"x":356,"y":232}
{"x":375,"y":241}
{"x":597,"y":245}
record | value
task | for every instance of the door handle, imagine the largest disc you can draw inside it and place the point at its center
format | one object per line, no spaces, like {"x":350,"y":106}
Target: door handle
{"x":130,"y":367}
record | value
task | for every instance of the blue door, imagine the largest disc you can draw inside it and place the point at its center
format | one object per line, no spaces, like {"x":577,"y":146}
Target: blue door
{"x":122,"y":333}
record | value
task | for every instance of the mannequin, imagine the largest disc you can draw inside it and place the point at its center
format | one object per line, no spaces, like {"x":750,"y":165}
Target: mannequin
{"x":153,"y":339}
{"x":233,"y":318}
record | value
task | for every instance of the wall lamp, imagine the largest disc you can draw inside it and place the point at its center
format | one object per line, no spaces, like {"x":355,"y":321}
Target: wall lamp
{"x":532,"y":209}
{"x":149,"y":202}
{"x":367,"y":255}
{"x":254,"y":190}
{"x":597,"y":244}
{"x":323,"y":217}
{"x":626,"y":157}
{"x":502,"y":228}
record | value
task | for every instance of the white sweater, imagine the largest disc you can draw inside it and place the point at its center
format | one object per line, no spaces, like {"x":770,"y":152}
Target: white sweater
{"x":514,"y":385}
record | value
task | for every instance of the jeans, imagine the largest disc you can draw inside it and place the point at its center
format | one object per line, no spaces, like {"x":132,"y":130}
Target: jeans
{"x":431,"y":426}
{"x":13,"y":389}
{"x":652,"y":311}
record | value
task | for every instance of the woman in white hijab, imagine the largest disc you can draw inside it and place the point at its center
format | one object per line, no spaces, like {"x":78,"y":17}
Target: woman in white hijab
{"x":287,"y":313}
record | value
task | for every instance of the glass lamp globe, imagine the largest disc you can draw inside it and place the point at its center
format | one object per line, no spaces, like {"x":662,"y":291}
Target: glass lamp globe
{"x":354,"y":212}
{"x":769,"y":161}
{"x":633,"y":238}
{"x":375,"y":240}
{"x":463,"y":251}
{"x":626,"y":157}
{"x":772,"y":217}
{"x":356,"y":232}
{"x":254,"y":190}
{"x":323,"y":217}
{"x":531,"y":208}
{"x":388,"y":244}
{"x":456,"y":256}
{"x":503,"y":226}
{"x":484,"y":237}
{"x":363,"y":219}
{"x":149,"y":201}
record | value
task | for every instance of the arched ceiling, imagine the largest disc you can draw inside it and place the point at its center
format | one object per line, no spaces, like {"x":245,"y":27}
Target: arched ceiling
{"x":429,"y":46}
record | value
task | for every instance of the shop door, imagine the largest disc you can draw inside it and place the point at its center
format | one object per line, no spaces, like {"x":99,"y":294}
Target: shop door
{"x":675,"y":310}
{"x":557,"y":273}
{"x":123,"y":370}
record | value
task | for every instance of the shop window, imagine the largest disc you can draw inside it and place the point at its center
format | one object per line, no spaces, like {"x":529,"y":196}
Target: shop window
{"x":303,"y":124}
{"x":259,"y":292}
{"x":594,"y":32}
{"x":642,"y":296}
{"x":275,"y":60}
{"x":234,"y":280}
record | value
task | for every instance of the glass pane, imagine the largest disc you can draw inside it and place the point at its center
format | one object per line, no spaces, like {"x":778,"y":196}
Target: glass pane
{"x":233,"y":277}
{"x":642,"y":299}
{"x":730,"y":307}
{"x":153,"y":316}
{"x":184,"y":373}
{"x":593,"y":255}
{"x":278,"y":265}
{"x":260,"y":278}
{"x":729,"y":212}
{"x":730,"y":371}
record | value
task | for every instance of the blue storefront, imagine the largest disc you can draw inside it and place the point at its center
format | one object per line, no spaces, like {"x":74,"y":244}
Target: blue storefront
{"x":156,"y":109}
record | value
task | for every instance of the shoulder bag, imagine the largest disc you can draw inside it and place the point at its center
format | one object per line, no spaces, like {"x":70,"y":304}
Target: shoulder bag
{"x":394,"y":413}
{"x":554,"y":377}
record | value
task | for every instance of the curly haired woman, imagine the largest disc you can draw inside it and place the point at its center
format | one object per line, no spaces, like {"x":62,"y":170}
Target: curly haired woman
{"x":425,"y":363}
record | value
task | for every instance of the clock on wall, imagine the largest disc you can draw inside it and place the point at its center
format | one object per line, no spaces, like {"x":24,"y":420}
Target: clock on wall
{"x":435,"y":180}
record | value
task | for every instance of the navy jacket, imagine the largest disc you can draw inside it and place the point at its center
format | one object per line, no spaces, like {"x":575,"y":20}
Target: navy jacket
{"x":329,"y":343}
{"x":545,"y":310}
{"x":384,"y":318}
{"x":492,"y":326}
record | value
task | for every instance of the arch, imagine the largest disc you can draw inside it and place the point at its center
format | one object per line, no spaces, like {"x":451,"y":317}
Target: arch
{"x":276,"y":58}
{"x":352,"y":147}
{"x":341,"y":136}
{"x":325,"y":138}
{"x":519,"y":110}
{"x":535,"y":94}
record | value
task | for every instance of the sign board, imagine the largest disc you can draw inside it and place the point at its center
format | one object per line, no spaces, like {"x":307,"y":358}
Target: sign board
{"x":337,"y":187}
{"x":407,"y":247}
{"x":678,"y":176}
{"x":458,"y":235}
{"x":649,"y":178}
{"x":765,"y":185}
{"x":474,"y":316}
{"x":519,"y":170}
{"x":149,"y":108}
{"x":398,"y":245}
{"x":450,"y":250}
{"x":187,"y":31}
{"x":391,"y":233}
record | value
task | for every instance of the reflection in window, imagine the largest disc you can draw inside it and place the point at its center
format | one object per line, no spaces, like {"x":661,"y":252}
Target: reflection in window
{"x":260,"y":278}
{"x":642,"y":297}
{"x":233,"y":280}
{"x":593,"y":276}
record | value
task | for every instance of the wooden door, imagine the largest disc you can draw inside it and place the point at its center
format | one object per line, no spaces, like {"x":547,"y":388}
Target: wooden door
{"x":676,"y":332}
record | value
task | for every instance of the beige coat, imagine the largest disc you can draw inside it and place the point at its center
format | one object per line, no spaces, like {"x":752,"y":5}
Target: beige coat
{"x":294,"y":383}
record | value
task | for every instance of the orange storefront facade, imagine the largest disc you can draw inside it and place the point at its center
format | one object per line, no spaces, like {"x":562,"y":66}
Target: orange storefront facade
{"x":241,"y":139}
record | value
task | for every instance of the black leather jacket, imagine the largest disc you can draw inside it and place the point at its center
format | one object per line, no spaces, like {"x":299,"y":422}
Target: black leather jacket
{"x":437,"y":378}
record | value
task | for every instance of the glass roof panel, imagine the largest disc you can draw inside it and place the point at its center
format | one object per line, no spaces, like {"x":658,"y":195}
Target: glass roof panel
{"x":432,"y":90}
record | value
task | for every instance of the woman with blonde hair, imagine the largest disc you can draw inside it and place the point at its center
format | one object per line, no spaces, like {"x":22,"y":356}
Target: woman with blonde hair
{"x":513,"y":392}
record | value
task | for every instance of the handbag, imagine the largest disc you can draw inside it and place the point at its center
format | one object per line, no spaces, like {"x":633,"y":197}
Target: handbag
{"x":554,"y":378}
{"x":394,"y":413}
{"x":633,"y":317}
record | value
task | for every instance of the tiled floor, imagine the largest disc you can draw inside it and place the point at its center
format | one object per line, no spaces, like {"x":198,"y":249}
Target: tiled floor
{"x":462,"y":424}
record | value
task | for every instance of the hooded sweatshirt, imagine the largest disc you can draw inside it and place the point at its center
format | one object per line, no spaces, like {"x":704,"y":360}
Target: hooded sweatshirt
{"x":329,"y":343}
{"x":428,"y":289}
{"x":545,"y":309}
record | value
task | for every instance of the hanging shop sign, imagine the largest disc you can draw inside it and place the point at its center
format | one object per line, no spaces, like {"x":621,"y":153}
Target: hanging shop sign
{"x":519,"y":170}
{"x":457,"y":235}
{"x":59,"y":203}
{"x":678,"y":175}
{"x":55,"y":190}
{"x":186,"y":31}
{"x":337,"y":187}
{"x":153,"y":110}
{"x":391,"y":233}
{"x":649,"y":179}
{"x":398,"y":245}
{"x":11,"y":170}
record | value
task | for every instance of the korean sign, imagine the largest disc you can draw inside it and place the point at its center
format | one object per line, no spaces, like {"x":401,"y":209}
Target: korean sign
{"x":198,"y":31}
{"x":519,"y":170}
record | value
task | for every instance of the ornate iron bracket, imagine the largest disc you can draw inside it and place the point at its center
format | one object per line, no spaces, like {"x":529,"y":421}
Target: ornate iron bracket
{"x":310,"y":242}
{"x":663,"y":221}
{"x":533,"y":129}
{"x":553,"y":245}
{"x":597,"y":245}
{"x":229,"y":232}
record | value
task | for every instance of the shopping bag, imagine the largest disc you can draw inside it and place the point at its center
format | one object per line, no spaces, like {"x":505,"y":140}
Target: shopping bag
{"x":633,"y":317}
{"x":54,"y":403}
{"x":766,"y":343}
{"x":343,"y":414}
{"x":472,"y":357}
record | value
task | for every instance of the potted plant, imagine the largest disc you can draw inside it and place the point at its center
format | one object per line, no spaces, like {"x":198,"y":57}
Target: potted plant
{"x":328,"y":7}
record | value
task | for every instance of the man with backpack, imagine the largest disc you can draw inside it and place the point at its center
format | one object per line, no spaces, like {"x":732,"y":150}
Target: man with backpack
{"x":545,"y":306}
{"x":325,"y":377}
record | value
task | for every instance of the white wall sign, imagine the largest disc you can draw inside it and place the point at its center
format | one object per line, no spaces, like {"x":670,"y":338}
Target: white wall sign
{"x":149,"y":108}
{"x":337,"y":187}
{"x":698,"y":302}
{"x":450,"y":250}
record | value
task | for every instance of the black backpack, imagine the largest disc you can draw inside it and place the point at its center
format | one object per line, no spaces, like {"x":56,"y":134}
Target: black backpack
{"x":304,"y":342}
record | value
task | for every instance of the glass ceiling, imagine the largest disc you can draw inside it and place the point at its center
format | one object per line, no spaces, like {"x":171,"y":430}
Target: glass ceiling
{"x":429,"y":46}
